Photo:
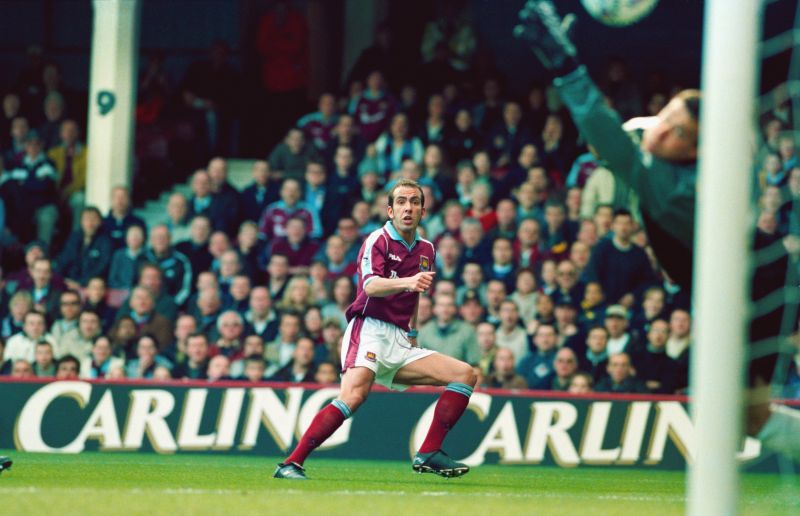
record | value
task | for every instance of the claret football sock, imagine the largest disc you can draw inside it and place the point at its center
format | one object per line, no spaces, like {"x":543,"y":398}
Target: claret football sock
{"x":449,"y":408}
{"x":324,"y":424}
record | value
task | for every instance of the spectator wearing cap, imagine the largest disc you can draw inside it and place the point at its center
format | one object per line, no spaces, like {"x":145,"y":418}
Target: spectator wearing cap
{"x":87,"y":252}
{"x":120,"y":217}
{"x":621,"y":378}
{"x":260,"y":193}
{"x":537,"y":367}
{"x":448,"y":334}
{"x":34,"y":187}
{"x":620,"y":266}
{"x":510,"y":333}
{"x":619,"y":339}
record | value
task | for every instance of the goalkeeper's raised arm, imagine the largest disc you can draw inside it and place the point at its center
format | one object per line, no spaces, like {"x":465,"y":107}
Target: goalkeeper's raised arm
{"x":654,"y":156}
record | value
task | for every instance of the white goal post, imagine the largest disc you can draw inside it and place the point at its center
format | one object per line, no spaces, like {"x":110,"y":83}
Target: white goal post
{"x":721,"y":264}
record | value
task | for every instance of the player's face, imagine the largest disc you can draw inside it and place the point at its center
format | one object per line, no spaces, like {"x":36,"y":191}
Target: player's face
{"x":407,"y":210}
{"x":674,"y":136}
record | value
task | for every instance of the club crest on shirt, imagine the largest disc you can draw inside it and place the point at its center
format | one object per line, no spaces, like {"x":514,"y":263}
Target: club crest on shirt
{"x":393,"y":275}
{"x":371,"y":356}
{"x":424,"y":263}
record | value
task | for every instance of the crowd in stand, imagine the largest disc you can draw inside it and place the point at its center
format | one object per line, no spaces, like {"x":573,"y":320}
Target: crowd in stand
{"x":544,"y":276}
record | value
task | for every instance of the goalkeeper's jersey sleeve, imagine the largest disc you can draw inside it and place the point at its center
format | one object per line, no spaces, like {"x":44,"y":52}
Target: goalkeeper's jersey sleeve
{"x":666,"y":190}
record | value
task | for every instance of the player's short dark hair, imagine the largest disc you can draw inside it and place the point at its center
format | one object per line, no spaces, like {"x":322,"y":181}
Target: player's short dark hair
{"x":401,"y":183}
{"x":691,"y":99}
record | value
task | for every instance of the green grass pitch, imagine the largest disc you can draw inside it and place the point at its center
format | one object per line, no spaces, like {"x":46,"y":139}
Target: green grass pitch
{"x":122,"y":483}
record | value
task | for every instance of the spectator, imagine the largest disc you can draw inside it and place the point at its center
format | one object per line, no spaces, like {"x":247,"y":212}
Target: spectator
{"x":331,"y":349}
{"x":297,"y":246}
{"x":652,"y":308}
{"x":227,"y":197}
{"x":206,"y":309}
{"x":69,"y":310}
{"x":592,"y":306}
{"x":526,"y":244}
{"x":151,"y":279}
{"x":503,"y":375}
{"x":581,"y":383}
{"x":301,"y":368}
{"x":616,"y":322}
{"x":126,"y":262}
{"x":566,"y":365}
{"x":147,"y":357}
{"x":273,"y":221}
{"x":373,"y":108}
{"x":537,"y":367}
{"x":254,"y":369}
{"x":502,"y":266}
{"x":194,"y":365}
{"x":472,"y":284}
{"x":680,"y":328}
{"x":396,"y":146}
{"x":558,"y":233}
{"x":620,"y":266}
{"x":326,"y":374}
{"x":298,"y":296}
{"x":68,"y":368}
{"x":278,"y":275}
{"x":567,"y":283}
{"x":123,"y":337}
{"x":196,"y":248}
{"x":78,"y":341}
{"x":219,"y":368}
{"x":510,"y":334}
{"x":565,"y":313}
{"x":22,"y":369}
{"x":495,"y":295}
{"x":230,"y":328}
{"x":69,"y":159}
{"x":22,"y":346}
{"x":22,"y":279}
{"x":595,"y":359}
{"x":33,"y":179}
{"x":43,"y":291}
{"x":185,"y":325}
{"x":204,"y":202}
{"x":147,"y":320}
{"x":318,"y":126}
{"x":260,"y":193}
{"x":44,"y":364}
{"x":120,"y":217}
{"x":657,"y":370}
{"x":474,"y":247}
{"x":289,"y":159}
{"x":620,"y":377}
{"x":175,"y":267}
{"x":238,"y":294}
{"x":20,"y":304}
{"x":346,"y":135}
{"x":525,"y":295}
{"x":101,"y":361}
{"x":506,"y":139}
{"x":343,"y":293}
{"x":262,"y":320}
{"x":177,"y":220}
{"x":280,"y":351}
{"x":487,"y":347}
{"x":253,"y":346}
{"x":447,"y":334}
{"x":87,"y":252}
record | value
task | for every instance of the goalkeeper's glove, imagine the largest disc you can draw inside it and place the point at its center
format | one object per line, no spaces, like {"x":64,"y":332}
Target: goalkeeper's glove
{"x":548,"y":35}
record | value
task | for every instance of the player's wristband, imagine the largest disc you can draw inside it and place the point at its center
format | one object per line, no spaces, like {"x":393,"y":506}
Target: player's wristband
{"x":412,"y":334}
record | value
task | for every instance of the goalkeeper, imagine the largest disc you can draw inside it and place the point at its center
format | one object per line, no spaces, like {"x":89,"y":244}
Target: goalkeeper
{"x":662,"y":170}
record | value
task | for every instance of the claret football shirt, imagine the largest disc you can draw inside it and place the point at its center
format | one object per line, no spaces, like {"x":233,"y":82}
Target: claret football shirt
{"x":384,"y":254}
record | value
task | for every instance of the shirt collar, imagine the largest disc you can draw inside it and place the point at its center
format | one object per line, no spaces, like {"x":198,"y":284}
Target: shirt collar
{"x":394,"y":235}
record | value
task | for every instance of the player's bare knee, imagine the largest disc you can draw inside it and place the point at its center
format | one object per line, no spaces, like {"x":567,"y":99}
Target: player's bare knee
{"x":466,"y":375}
{"x":354,"y":399}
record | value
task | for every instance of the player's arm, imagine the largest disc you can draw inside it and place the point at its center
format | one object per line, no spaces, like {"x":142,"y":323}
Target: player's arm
{"x":376,"y":286}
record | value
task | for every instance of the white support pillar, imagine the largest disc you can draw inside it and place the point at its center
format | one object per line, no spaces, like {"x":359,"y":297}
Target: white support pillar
{"x":112,"y":98}
{"x":721,"y":264}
